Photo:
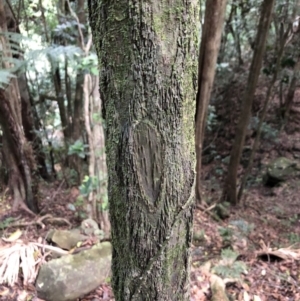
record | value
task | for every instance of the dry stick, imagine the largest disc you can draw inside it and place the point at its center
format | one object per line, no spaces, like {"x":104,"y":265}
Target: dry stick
{"x":58,"y":190}
{"x":285,"y":37}
{"x":51,"y":248}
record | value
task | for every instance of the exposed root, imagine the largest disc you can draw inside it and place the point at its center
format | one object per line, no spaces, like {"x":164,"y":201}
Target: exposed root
{"x":40,"y":222}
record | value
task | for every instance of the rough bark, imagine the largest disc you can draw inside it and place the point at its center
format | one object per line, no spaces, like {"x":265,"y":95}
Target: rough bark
{"x":28,"y":121}
{"x":17,"y":152}
{"x":146,"y":53}
{"x":209,"y":49}
{"x":229,"y":192}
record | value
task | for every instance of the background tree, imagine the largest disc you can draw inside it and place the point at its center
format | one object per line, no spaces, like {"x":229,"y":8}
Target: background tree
{"x":147,"y":55}
{"x":17,"y":152}
{"x":210,"y":43}
{"x":284,"y":36}
{"x":229,"y":192}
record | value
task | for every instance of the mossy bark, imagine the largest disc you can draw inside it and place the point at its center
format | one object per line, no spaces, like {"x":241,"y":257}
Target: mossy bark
{"x":147,"y":54}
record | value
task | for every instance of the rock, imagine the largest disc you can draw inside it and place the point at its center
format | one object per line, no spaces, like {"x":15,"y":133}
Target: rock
{"x":222,"y":210}
{"x":198,"y":237}
{"x":90,"y":227}
{"x":218,"y":289}
{"x":72,"y":276}
{"x":67,"y":239}
{"x":280,"y":170}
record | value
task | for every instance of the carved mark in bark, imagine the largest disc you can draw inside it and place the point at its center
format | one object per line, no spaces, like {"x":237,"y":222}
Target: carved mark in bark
{"x":148,"y":150}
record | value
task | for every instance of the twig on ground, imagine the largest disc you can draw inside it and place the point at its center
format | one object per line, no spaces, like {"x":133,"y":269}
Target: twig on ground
{"x":57,"y":190}
{"x":57,"y":250}
{"x":210,"y":208}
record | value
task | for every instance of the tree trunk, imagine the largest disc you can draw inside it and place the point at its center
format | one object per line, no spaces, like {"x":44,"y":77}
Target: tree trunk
{"x":229,"y":192}
{"x":282,"y":40}
{"x":100,"y":169}
{"x":209,"y":49}
{"x":290,"y":94}
{"x":17,"y":151}
{"x":77,"y":117}
{"x":28,"y":121}
{"x":29,"y":127}
{"x":78,"y":100}
{"x":147,"y":58}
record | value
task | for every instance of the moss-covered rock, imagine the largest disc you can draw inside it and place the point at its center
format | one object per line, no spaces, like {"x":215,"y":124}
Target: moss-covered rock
{"x":280,"y":170}
{"x":72,"y":276}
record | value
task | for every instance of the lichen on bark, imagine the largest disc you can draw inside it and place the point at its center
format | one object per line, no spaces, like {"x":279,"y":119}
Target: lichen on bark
{"x":147,"y":65}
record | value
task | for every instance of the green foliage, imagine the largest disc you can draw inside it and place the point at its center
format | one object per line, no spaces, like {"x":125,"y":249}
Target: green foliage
{"x":226,"y":233}
{"x":54,"y":53}
{"x":88,"y":185}
{"x":79,"y":205}
{"x":14,"y":51}
{"x":294,"y":219}
{"x":90,"y":63}
{"x":78,"y":148}
{"x":294,"y":238}
{"x":267,"y":131}
{"x":67,"y":31}
{"x":6,"y":222}
{"x":229,"y":266}
{"x":211,"y":118}
{"x":243,"y":227}
{"x":104,"y":204}
{"x":288,"y":62}
{"x":5,"y":77}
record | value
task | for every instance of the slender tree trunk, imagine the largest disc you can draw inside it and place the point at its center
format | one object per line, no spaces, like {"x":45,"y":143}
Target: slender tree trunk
{"x":224,"y":38}
{"x":60,"y":101}
{"x":78,"y":100}
{"x":146,"y":54}
{"x":78,"y":104}
{"x":97,"y":158}
{"x":229,"y":192}
{"x":290,"y":94}
{"x":29,"y":128}
{"x":100,"y":158}
{"x":282,"y":39}
{"x":209,"y":49}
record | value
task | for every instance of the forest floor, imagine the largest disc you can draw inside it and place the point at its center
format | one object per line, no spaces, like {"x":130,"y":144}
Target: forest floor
{"x":268,"y":219}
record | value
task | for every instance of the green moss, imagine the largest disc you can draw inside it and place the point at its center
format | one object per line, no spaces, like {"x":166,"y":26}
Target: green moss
{"x":148,"y":74}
